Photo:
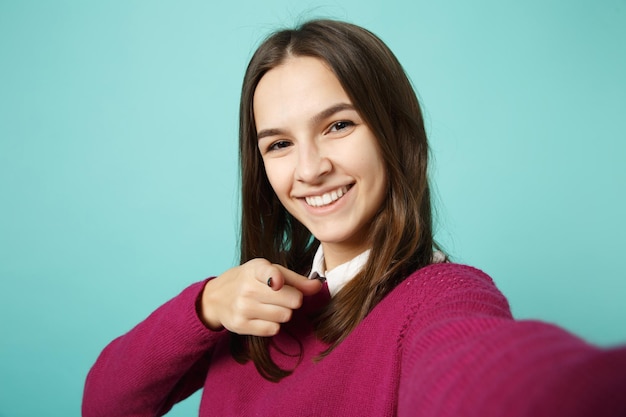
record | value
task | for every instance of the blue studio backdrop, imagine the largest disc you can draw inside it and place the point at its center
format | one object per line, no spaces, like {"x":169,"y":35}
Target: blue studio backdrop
{"x":118,"y":164}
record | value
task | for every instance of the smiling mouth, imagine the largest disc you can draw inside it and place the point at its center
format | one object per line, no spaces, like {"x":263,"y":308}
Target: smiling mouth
{"x":327,"y":198}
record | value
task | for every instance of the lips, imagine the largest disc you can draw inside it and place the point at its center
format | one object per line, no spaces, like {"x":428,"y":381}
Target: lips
{"x":327,"y":198}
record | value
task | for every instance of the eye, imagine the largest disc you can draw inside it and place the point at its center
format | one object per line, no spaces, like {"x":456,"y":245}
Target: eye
{"x":278,"y":145}
{"x":341,"y":125}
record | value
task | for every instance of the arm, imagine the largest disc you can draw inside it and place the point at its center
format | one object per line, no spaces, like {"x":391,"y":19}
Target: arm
{"x":161,"y":361}
{"x":165,"y":358}
{"x":465,"y":356}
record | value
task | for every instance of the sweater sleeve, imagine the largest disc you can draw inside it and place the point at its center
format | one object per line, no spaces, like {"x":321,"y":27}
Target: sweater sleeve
{"x":464,"y":355}
{"x":158,"y":363}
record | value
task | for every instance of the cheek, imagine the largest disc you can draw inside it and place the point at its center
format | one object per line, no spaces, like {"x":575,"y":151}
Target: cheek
{"x":377,"y":172}
{"x":278,"y":178}
{"x":371,"y":164}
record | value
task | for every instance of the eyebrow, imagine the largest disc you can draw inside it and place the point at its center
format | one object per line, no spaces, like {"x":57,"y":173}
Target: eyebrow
{"x":324,"y":114}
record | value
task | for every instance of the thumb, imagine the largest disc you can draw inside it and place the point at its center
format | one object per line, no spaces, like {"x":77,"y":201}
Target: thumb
{"x":303,"y":284}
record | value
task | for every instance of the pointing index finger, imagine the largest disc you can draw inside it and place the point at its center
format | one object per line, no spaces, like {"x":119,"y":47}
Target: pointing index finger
{"x":288,"y":277}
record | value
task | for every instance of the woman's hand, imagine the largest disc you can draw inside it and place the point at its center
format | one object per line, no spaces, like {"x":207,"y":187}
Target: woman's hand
{"x":245,"y":301}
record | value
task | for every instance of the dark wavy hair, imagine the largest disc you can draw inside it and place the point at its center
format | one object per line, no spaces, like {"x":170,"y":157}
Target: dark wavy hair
{"x":401,"y":232}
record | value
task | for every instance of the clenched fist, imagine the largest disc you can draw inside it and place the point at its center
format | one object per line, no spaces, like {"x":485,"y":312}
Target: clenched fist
{"x":245,"y":301}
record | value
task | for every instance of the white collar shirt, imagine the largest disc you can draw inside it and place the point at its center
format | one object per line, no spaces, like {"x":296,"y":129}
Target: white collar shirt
{"x":339,"y":276}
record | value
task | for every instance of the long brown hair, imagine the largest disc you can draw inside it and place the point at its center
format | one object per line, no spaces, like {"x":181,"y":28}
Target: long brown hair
{"x":401,"y":232}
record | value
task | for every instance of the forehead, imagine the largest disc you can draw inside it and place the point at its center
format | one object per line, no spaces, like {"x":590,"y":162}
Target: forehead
{"x":299,"y":87}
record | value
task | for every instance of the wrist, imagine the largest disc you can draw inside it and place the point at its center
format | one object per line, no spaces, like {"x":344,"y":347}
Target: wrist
{"x":205,"y":307}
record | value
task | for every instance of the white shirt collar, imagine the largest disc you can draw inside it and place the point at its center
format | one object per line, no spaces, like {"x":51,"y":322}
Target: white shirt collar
{"x":340,"y":275}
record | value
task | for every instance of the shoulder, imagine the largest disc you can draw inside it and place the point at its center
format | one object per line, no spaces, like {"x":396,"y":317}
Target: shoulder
{"x":446,"y":273}
{"x":452,"y":288}
{"x":439,"y":296}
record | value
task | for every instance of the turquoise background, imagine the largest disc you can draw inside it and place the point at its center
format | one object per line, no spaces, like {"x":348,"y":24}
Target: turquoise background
{"x":118,"y":188}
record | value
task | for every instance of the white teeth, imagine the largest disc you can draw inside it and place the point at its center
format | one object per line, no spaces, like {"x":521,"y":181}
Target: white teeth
{"x":325,"y":199}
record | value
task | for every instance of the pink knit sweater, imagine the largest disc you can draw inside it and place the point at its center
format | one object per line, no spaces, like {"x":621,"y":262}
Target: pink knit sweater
{"x":443,"y":343}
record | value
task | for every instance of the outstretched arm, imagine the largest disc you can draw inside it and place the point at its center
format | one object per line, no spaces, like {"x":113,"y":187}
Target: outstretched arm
{"x":462,"y":356}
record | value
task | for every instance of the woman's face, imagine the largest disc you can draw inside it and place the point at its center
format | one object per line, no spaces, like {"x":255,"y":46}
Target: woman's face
{"x":321,"y":159}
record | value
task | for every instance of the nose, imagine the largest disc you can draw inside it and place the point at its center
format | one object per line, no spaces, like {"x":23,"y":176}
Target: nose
{"x":313,"y":164}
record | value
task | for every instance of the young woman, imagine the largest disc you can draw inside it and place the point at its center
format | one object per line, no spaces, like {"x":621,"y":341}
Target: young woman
{"x":342,"y":304}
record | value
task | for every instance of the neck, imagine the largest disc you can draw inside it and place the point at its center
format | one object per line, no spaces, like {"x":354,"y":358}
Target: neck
{"x":335,"y":255}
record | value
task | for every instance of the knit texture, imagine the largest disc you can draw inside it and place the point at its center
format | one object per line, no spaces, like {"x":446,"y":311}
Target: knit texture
{"x":443,"y":343}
